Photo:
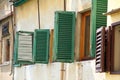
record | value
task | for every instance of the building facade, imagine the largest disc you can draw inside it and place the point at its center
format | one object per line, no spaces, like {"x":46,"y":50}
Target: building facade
{"x":30,"y":15}
{"x":6,"y":40}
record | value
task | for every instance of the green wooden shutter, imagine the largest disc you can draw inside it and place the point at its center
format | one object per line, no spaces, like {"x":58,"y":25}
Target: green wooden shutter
{"x":64,"y":36}
{"x":98,"y":19}
{"x":19,"y":2}
{"x":41,"y":46}
{"x":23,"y":48}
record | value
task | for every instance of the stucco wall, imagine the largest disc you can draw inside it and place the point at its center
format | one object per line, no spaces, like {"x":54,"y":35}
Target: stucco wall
{"x":4,"y":8}
{"x":78,"y":5}
{"x":5,"y":67}
{"x":111,"y":19}
{"x":27,"y":14}
{"x":27,"y":20}
{"x":113,"y":4}
{"x":114,"y":17}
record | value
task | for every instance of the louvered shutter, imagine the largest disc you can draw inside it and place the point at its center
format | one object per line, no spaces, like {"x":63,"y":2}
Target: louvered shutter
{"x":100,"y":49}
{"x":64,"y":36}
{"x":97,"y":20}
{"x":41,"y":46}
{"x":23,"y":47}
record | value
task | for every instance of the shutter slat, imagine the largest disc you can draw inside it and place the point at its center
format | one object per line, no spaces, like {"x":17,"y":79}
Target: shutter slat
{"x":64,"y":36}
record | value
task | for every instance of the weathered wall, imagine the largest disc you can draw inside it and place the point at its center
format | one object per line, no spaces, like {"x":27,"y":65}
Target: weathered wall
{"x":4,"y":8}
{"x":27,"y":19}
{"x":114,"y":17}
{"x":111,"y":19}
{"x":5,"y":67}
{"x":27,"y":14}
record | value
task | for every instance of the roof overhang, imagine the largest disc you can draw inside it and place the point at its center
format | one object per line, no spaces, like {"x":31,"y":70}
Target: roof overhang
{"x":112,"y":11}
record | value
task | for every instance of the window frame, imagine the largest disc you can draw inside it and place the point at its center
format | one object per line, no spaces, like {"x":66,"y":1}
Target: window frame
{"x":82,"y":35}
{"x":116,"y":24}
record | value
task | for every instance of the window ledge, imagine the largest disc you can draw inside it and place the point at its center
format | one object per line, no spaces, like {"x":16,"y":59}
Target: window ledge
{"x":87,"y":58}
{"x":5,"y":63}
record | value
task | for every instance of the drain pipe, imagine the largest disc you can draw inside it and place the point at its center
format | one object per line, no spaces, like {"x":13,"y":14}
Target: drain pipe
{"x":38,"y":4}
{"x":63,"y":69}
{"x":13,"y":37}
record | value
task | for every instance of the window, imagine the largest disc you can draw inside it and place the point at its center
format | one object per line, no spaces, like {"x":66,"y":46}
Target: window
{"x":108,"y":49}
{"x":5,"y":29}
{"x":115,"y":54}
{"x":5,"y":43}
{"x":5,"y":50}
{"x":85,"y":36}
{"x":7,"y":58}
{"x":31,"y":47}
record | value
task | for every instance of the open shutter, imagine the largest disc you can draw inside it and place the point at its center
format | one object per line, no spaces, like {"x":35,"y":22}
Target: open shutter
{"x":98,"y":19}
{"x":64,"y":36}
{"x":41,"y":46}
{"x":100,"y":49}
{"x":23,"y":47}
{"x":19,"y":2}
{"x":107,"y":48}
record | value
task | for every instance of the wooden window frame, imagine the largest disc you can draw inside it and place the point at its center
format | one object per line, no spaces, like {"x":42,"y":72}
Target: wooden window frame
{"x":82,"y":36}
{"x":116,"y":24}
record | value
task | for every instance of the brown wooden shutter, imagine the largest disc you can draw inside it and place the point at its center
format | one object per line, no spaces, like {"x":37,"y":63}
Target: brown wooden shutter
{"x":100,"y":49}
{"x":107,"y":48}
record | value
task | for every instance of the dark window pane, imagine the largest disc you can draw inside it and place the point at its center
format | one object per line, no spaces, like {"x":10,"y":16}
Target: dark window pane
{"x":87,"y":36}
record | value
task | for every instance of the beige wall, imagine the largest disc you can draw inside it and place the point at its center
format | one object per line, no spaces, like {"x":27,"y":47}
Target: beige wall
{"x":5,"y":67}
{"x":27,"y":14}
{"x":4,"y":7}
{"x":111,"y":19}
{"x":84,"y":70}
{"x":26,"y":19}
{"x":116,"y":16}
{"x":113,"y":4}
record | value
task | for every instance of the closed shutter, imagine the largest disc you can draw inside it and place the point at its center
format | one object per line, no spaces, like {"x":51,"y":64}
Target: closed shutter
{"x":23,"y":47}
{"x":100,"y":49}
{"x":64,"y":36}
{"x":19,"y":2}
{"x":98,"y":19}
{"x":41,"y":46}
